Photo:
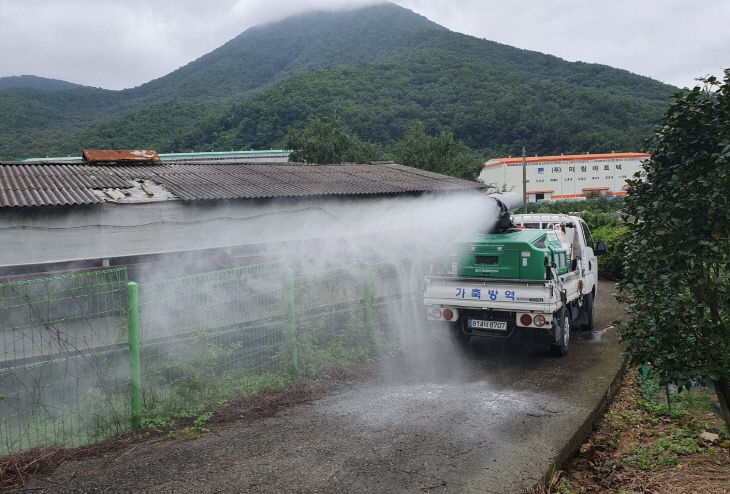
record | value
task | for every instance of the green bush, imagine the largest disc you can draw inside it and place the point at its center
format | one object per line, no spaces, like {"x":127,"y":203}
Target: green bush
{"x":600,"y":205}
{"x":610,"y":265}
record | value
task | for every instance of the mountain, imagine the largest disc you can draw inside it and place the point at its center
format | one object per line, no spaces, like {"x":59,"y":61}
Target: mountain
{"x":273,"y":52}
{"x":493,"y":110}
{"x":380,"y":68}
{"x":61,"y":123}
{"x":35,"y":82}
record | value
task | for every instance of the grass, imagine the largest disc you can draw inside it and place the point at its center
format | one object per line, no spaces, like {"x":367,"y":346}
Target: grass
{"x":643,"y":444}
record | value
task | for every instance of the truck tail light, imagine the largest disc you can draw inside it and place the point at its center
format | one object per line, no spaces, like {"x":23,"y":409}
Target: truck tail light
{"x":436,"y":313}
{"x":539,"y":320}
{"x":448,"y":314}
{"x":525,"y":319}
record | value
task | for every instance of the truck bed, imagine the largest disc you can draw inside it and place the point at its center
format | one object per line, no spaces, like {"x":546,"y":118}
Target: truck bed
{"x":502,"y":294}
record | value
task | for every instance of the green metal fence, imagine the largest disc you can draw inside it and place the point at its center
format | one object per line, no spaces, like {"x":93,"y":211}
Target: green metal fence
{"x":64,"y":370}
{"x":331,"y":326}
{"x":208,"y":336}
{"x":91,"y":355}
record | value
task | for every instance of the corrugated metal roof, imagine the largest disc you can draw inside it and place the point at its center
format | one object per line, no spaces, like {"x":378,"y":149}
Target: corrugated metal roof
{"x":56,"y":185}
{"x":50,"y":184}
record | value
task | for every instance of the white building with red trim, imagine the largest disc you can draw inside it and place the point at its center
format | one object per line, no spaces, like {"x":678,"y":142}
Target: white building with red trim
{"x":577,"y":176}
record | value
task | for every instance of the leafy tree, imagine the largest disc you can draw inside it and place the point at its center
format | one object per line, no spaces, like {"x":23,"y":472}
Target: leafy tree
{"x":677,"y":266}
{"x":329,"y":142}
{"x":440,"y":153}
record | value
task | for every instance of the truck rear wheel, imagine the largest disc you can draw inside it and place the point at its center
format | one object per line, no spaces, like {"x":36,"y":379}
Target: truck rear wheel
{"x":560,"y":347}
{"x":586,"y":318}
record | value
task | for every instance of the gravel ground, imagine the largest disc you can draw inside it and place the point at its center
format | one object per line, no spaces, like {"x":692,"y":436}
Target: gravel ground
{"x":434,"y":421}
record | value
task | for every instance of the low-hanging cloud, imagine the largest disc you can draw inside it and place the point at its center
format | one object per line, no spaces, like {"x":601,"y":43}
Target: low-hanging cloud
{"x":118,"y":45}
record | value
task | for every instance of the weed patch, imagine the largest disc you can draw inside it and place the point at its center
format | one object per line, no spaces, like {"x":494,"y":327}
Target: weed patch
{"x":643,"y":444}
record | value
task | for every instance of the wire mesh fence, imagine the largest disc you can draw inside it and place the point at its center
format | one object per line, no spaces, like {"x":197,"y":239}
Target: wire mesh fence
{"x":64,"y":368}
{"x":207,"y":336}
{"x":331,"y":325}
{"x":65,"y":372}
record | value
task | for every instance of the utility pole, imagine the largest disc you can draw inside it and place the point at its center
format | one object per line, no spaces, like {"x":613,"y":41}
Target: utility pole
{"x":524,"y":180}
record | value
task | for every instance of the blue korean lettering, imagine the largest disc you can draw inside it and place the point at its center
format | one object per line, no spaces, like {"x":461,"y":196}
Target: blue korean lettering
{"x":510,"y":294}
{"x":493,"y":294}
{"x":476,"y":293}
{"x":460,"y":292}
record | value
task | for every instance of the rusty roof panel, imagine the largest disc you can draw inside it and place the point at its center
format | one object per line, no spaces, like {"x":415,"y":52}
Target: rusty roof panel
{"x":120,"y":155}
{"x":50,"y":184}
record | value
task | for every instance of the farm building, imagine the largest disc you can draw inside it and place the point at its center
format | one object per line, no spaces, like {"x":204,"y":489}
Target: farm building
{"x":59,"y":215}
{"x":561,"y":177}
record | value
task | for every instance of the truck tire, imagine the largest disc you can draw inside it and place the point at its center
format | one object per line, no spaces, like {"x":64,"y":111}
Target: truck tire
{"x":560,"y":347}
{"x":587,"y":313}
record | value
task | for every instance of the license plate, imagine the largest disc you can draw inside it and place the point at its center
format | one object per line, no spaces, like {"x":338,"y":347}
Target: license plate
{"x":495,"y":325}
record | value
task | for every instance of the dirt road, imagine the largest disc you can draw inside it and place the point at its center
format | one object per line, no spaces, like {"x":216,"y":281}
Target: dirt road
{"x":436,"y":421}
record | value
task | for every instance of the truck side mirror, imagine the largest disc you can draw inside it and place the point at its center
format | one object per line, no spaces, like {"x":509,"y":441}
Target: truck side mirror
{"x":601,"y":248}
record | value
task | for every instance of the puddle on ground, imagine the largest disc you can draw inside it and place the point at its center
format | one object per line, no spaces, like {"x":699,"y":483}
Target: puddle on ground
{"x":594,"y":336}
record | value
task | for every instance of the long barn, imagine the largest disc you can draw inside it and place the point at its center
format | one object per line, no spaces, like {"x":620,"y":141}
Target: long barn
{"x":63,"y":215}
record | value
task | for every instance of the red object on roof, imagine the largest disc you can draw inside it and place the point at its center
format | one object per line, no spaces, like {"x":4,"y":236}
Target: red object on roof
{"x":596,"y":188}
{"x":540,"y":191}
{"x":120,"y":155}
{"x":568,"y":157}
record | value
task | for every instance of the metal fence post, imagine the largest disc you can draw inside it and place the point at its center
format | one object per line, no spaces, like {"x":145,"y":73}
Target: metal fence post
{"x":369,"y":304}
{"x":419,"y":274}
{"x":292,"y":322}
{"x":134,"y":357}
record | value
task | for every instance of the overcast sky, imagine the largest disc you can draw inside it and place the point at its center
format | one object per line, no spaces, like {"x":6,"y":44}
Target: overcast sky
{"x":117,"y":44}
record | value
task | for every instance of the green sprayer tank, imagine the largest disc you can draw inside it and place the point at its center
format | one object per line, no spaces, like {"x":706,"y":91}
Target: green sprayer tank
{"x":519,"y":254}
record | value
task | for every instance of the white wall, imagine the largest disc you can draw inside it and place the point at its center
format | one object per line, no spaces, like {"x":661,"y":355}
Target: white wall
{"x":44,"y":235}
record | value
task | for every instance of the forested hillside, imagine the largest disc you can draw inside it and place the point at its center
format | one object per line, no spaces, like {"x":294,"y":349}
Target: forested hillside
{"x":380,"y":68}
{"x":34,"y":82}
{"x":273,"y":52}
{"x":487,"y":107}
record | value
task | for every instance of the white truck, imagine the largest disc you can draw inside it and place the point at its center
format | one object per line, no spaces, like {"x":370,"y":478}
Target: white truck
{"x":535,"y":276}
